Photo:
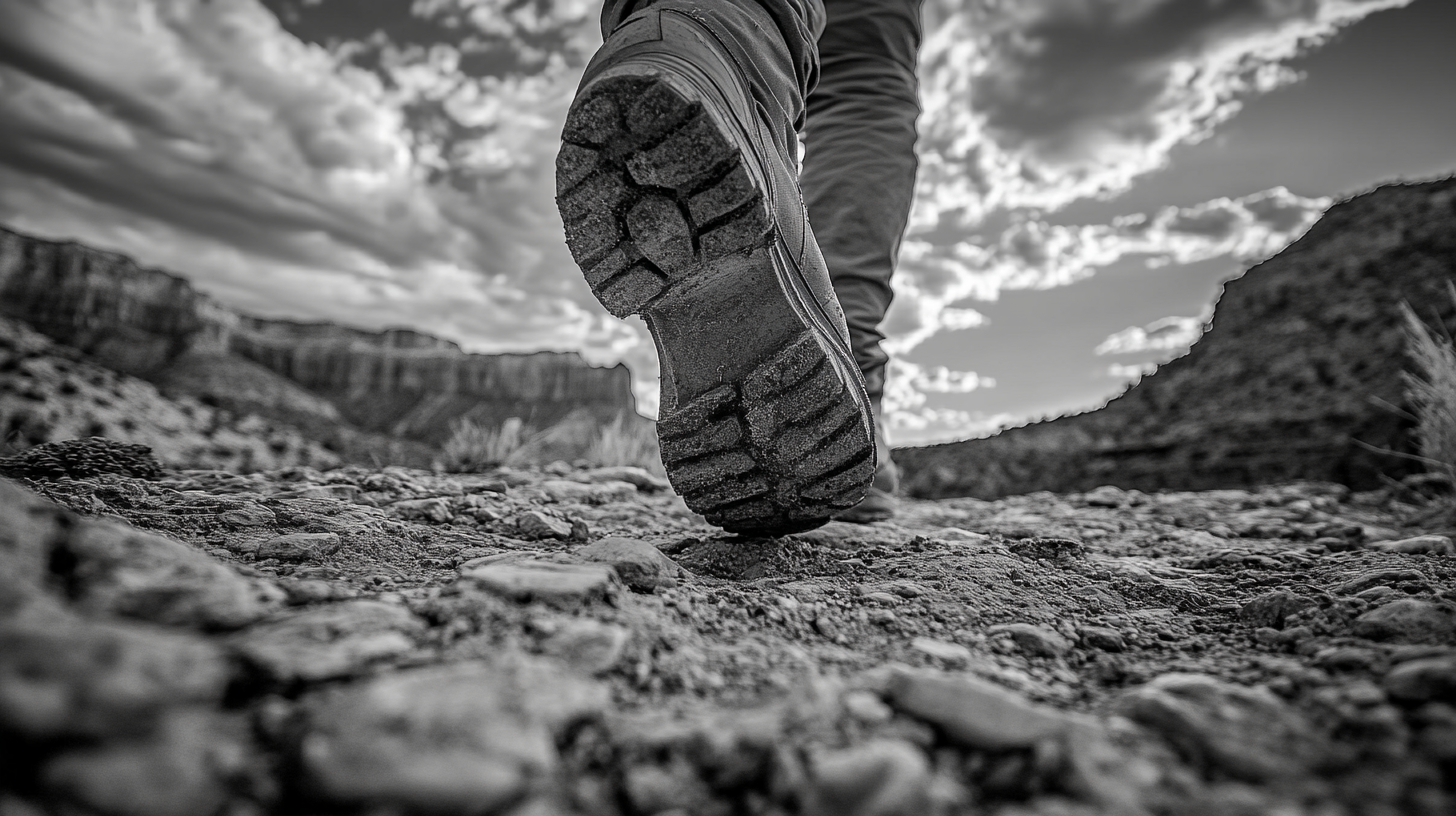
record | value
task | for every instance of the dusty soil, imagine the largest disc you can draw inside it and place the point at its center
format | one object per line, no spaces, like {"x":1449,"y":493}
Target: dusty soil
{"x":570,"y":641}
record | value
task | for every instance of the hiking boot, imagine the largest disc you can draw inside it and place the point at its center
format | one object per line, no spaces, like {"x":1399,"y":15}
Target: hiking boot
{"x":680,"y":197}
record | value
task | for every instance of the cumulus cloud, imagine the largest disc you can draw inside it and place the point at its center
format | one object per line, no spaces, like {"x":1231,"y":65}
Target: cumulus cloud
{"x":1135,"y":371}
{"x":1165,"y":334}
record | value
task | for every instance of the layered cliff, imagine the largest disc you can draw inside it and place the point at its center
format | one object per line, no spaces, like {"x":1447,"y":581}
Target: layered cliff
{"x":1301,"y":364}
{"x":317,"y":376}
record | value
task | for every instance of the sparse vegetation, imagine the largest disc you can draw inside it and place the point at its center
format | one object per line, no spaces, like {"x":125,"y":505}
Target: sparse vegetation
{"x":473,"y":447}
{"x":621,"y":442}
{"x":1431,"y":391}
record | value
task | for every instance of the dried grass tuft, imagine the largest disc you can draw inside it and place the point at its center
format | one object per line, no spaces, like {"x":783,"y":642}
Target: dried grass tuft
{"x":1431,"y":391}
{"x":621,"y":442}
{"x":474,"y":448}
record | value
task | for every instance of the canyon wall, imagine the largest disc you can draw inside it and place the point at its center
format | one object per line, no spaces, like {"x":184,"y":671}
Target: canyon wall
{"x":153,"y":324}
{"x":1301,"y":365}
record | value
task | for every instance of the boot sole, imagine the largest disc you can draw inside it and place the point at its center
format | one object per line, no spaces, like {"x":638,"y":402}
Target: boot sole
{"x":763,"y":426}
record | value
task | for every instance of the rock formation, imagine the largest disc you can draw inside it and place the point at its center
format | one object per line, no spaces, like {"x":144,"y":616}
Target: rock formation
{"x":1302,"y":363}
{"x":155,"y":325}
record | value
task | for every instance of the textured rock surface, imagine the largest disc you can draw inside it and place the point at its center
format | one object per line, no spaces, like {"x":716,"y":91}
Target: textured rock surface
{"x":164,"y":650}
{"x":1301,"y":351}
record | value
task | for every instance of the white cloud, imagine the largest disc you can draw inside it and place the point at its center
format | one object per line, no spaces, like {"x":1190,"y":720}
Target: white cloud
{"x":1135,"y":371}
{"x":1165,"y":334}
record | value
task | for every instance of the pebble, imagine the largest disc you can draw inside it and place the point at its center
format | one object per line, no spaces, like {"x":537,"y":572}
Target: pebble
{"x":66,"y":679}
{"x":1419,"y":545}
{"x":1408,"y":620}
{"x":1374,"y":578}
{"x":186,"y":766}
{"x":467,"y":738}
{"x":635,"y":476}
{"x":563,"y":490}
{"x":297,"y":547}
{"x":534,"y":525}
{"x":1272,"y":608}
{"x":250,"y":514}
{"x":1248,"y":733}
{"x":527,"y":581}
{"x":435,"y":510}
{"x":883,"y":777}
{"x":866,"y":707}
{"x":639,"y":564}
{"x":974,"y":713}
{"x":1101,"y":637}
{"x":952,"y":653}
{"x":589,"y":646}
{"x":329,"y":642}
{"x":1033,"y":639}
{"x":1431,"y":679}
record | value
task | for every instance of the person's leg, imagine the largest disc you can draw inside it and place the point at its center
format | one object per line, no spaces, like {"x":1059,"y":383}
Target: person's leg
{"x":859,"y":167}
{"x":677,"y":183}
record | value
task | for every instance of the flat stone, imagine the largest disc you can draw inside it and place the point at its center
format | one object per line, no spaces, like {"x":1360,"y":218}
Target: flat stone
{"x":1430,"y":679}
{"x":1374,"y":578}
{"x":1272,"y":608}
{"x":534,"y":525}
{"x":28,"y":524}
{"x":466,"y":738}
{"x":883,"y":777}
{"x":589,"y":646}
{"x":1101,"y":637}
{"x":299,"y":547}
{"x":1409,"y":621}
{"x":187,"y":765}
{"x":115,"y":569}
{"x":1033,"y":639}
{"x":952,"y":653}
{"x":248,"y":514}
{"x":1245,"y":732}
{"x":597,"y":492}
{"x":328,"y":642}
{"x":435,"y":510}
{"x":640,"y":565}
{"x":527,"y":581}
{"x":972,"y":712}
{"x":62,"y":678}
{"x":635,"y":476}
{"x":1419,"y":545}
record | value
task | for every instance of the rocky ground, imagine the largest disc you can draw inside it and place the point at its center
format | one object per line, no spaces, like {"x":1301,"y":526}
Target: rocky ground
{"x":571,"y":641}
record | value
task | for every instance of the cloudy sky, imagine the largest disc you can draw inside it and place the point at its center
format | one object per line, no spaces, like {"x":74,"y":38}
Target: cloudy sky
{"x":1092,"y":170}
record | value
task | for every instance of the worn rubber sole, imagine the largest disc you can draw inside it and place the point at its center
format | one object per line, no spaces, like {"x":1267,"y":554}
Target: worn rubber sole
{"x":763,"y":426}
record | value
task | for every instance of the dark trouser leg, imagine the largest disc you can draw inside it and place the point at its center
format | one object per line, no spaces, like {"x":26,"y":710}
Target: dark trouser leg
{"x":859,"y":170}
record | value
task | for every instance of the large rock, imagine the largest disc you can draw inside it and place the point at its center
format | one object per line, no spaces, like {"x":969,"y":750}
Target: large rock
{"x":115,"y":569}
{"x":1409,"y":620}
{"x":641,"y":566}
{"x":339,"y":640}
{"x":68,"y":679}
{"x":973,"y":712}
{"x":1245,"y":732}
{"x":467,"y":738}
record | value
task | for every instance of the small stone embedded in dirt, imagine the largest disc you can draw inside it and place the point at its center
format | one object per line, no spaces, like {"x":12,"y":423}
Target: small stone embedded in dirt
{"x":62,"y":679}
{"x":466,"y":738}
{"x":339,"y":640}
{"x":866,"y":707}
{"x":1047,"y":549}
{"x":883,"y":777}
{"x":249,"y":514}
{"x":641,"y":566}
{"x":1431,"y":679}
{"x":1245,"y":732}
{"x":1409,"y":620}
{"x":527,"y":581}
{"x":589,"y":646}
{"x":959,"y":535}
{"x":298,"y":547}
{"x":435,"y":510}
{"x":534,"y":525}
{"x":951,"y":653}
{"x":1101,"y":637}
{"x":1375,"y":578}
{"x":1271,"y":609}
{"x":1419,"y":545}
{"x":635,"y":476}
{"x":189,"y":764}
{"x":972,"y":712}
{"x":1033,"y":639}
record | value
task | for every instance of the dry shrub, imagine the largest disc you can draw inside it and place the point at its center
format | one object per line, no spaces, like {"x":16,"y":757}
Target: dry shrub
{"x":1431,"y":391}
{"x":473,"y":448}
{"x":624,"y":442}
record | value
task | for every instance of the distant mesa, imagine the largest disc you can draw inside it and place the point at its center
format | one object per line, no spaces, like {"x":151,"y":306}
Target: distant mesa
{"x":1303,"y":359}
{"x":337,"y":384}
